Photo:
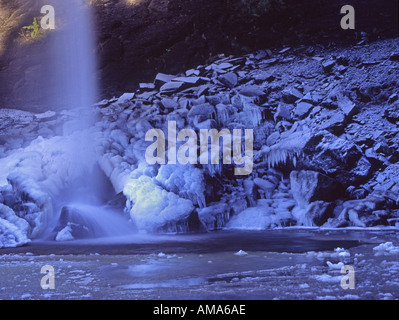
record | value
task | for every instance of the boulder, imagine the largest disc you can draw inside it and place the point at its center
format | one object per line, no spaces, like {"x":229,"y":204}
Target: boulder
{"x":71,"y":225}
{"x":337,"y":158}
{"x":328,"y":65}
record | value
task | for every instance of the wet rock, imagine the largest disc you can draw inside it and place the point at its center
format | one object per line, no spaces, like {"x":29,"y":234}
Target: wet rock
{"x":188,"y":225}
{"x":318,"y":212}
{"x":308,"y":186}
{"x":118,"y":202}
{"x":365,"y":212}
{"x":30,"y":203}
{"x":72,"y":225}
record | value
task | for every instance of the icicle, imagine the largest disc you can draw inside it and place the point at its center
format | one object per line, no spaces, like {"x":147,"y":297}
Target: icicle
{"x":253,"y":114}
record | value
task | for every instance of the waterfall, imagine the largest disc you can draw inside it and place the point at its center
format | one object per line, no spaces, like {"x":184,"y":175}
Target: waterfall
{"x":74,"y":89}
{"x":73,"y":62}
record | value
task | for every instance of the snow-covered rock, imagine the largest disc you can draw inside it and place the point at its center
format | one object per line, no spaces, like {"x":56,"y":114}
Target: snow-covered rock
{"x":151,"y":207}
{"x":215,"y":216}
{"x":184,"y":180}
{"x":13,"y":230}
{"x":11,"y":235}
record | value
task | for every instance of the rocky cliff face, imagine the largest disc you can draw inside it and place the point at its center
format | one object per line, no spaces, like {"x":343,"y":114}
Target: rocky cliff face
{"x":324,"y":120}
{"x":139,"y":38}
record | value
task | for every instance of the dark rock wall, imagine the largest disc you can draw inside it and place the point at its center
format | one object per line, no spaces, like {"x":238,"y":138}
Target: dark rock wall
{"x":139,"y":38}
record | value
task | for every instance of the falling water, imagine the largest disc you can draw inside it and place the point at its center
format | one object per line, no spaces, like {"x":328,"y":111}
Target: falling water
{"x":74,"y":89}
{"x":74,"y":59}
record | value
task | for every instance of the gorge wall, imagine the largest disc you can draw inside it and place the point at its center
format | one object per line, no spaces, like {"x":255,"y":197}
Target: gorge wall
{"x":136,"y":39}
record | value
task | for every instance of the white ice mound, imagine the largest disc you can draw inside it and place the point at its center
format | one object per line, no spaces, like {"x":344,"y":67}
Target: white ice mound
{"x":184,"y":180}
{"x":254,"y":218}
{"x":13,"y":230}
{"x":11,"y":235}
{"x":32,"y":176}
{"x":52,"y":163}
{"x":386,"y":248}
{"x":151,"y":207}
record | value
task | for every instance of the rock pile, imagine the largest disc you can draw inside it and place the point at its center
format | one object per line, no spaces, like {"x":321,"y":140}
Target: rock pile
{"x":325,"y":145}
{"x":325,"y":127}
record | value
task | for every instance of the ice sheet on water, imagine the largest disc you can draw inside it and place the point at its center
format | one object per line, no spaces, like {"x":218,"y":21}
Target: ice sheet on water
{"x":386,"y":248}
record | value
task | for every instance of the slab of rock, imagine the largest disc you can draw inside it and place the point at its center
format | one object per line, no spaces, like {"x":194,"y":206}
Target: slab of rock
{"x":303,"y":109}
{"x":332,"y":121}
{"x":171,"y":87}
{"x":229,"y":79}
{"x":162,"y":78}
{"x":291,"y":95}
{"x":251,"y":91}
{"x":328,"y":65}
{"x":147,"y":86}
{"x":169,"y":103}
{"x":347,"y":106}
{"x":283,"y":112}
